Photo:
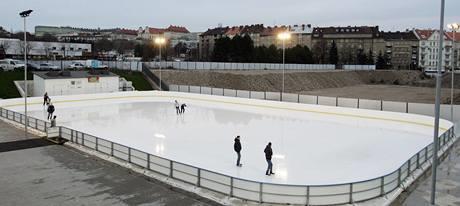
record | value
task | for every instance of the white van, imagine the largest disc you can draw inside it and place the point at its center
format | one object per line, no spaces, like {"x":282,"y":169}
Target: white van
{"x":10,"y":64}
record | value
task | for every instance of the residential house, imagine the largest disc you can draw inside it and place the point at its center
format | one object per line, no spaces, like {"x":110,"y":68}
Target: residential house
{"x":429,"y":49}
{"x":401,"y":49}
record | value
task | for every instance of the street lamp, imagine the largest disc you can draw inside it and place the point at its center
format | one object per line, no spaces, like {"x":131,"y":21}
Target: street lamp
{"x":283,"y":36}
{"x":160,"y":41}
{"x":437,"y":106}
{"x":25,"y":14}
{"x":455,"y":27}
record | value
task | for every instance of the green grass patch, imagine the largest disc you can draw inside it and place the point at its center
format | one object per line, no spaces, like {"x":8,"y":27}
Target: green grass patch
{"x":138,"y":79}
{"x":7,"y":87}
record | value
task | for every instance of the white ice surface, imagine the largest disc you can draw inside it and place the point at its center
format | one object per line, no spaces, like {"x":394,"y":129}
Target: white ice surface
{"x":309,"y":148}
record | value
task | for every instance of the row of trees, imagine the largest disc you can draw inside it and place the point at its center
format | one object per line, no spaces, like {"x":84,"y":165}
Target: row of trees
{"x":241,"y":49}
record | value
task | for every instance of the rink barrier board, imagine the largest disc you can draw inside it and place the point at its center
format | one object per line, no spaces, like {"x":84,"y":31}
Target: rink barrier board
{"x":247,"y":189}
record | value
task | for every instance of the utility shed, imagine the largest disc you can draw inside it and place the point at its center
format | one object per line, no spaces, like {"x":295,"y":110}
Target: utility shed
{"x":74,"y":82}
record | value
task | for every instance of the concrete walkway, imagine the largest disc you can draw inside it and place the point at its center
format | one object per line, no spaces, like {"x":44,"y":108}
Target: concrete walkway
{"x":448,"y":184}
{"x":35,"y":172}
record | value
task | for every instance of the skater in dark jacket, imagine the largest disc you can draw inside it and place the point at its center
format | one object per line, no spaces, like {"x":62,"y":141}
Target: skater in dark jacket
{"x":50,"y":111}
{"x":46,"y":99}
{"x":268,"y":156}
{"x":182,"y":108}
{"x":237,"y":148}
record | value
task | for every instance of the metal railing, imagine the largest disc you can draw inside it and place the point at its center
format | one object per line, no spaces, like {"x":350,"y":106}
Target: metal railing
{"x":242,"y":188}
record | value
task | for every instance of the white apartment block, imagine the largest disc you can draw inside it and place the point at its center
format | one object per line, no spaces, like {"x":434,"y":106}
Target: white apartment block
{"x":429,"y":49}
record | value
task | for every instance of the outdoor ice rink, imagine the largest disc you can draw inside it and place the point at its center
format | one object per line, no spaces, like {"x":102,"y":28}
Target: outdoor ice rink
{"x":312,"y":145}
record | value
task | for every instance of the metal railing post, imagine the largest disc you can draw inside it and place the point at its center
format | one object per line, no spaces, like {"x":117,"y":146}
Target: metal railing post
{"x":298,"y":98}
{"x":260,"y":192}
{"x":357,"y":104}
{"x":36,"y":123}
{"x":382,"y":184}
{"x":308,"y":196}
{"x":336,"y":101}
{"x":236,"y":92}
{"x":407,"y":107}
{"x":418,"y":160}
{"x":200,"y":89}
{"x":250,"y":94}
{"x":265,"y":95}
{"x":111,"y":148}
{"x":231,"y":186}
{"x":148,"y":161}
{"x":381,"y":105}
{"x":211,"y":90}
{"x":198,"y":181}
{"x":129,"y":154}
{"x":170,"y":168}
{"x":399,"y":176}
{"x":408,"y":168}
{"x":97,"y":144}
{"x":317,"y":100}
{"x":351,"y":193}
{"x":83,"y":139}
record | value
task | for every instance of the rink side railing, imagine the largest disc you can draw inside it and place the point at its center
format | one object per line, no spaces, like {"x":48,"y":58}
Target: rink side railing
{"x":242,"y":188}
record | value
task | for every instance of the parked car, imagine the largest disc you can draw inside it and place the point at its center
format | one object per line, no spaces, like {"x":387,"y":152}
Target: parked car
{"x":48,"y":66}
{"x":32,"y":66}
{"x":11,"y":64}
{"x":76,"y":65}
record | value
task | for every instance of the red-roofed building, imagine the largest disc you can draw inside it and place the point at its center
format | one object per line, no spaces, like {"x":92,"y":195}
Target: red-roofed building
{"x":429,"y":49}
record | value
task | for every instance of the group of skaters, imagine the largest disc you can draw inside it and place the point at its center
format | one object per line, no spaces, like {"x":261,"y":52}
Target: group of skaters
{"x":268,"y":155}
{"x":180,"y":108}
{"x":50,"y":109}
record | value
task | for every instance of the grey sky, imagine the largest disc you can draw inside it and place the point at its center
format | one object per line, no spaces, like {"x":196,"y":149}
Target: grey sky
{"x":198,"y":15}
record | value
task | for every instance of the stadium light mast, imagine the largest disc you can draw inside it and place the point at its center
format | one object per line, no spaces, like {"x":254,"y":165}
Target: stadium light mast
{"x":455,"y":27}
{"x":283,"y":36}
{"x":24,"y":15}
{"x":160,"y":41}
{"x":434,"y":166}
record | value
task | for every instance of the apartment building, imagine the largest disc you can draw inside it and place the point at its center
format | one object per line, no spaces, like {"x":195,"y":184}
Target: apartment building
{"x":15,"y":48}
{"x":260,"y":35}
{"x":401,"y":49}
{"x":456,"y":49}
{"x":349,"y":40}
{"x":429,"y":49}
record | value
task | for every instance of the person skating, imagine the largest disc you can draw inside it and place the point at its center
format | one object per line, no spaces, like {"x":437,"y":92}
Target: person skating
{"x":46,"y":99}
{"x":268,"y":156}
{"x":176,"y":104}
{"x":182,"y":108}
{"x":237,"y":148}
{"x":50,"y":111}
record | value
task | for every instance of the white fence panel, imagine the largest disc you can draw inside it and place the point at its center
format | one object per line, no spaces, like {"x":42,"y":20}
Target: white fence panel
{"x":369,"y":104}
{"x":308,"y":99}
{"x":328,"y":101}
{"x":348,"y":102}
{"x":394,"y":106}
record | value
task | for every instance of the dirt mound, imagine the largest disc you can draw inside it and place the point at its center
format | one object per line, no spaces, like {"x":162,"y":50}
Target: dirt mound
{"x":295,"y":81}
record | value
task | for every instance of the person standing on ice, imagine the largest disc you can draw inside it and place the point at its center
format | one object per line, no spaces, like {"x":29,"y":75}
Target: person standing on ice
{"x":46,"y":99}
{"x":176,"y":104}
{"x":237,"y":148}
{"x":268,"y":156}
{"x":182,"y":108}
{"x":50,"y":111}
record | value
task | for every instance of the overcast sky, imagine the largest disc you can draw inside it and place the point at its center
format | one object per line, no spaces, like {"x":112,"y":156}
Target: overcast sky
{"x":198,"y":15}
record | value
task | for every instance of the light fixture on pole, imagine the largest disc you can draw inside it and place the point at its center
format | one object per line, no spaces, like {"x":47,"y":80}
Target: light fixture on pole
{"x":283,"y":36}
{"x":455,"y":28}
{"x":25,"y":14}
{"x":160,"y":41}
{"x":434,"y":165}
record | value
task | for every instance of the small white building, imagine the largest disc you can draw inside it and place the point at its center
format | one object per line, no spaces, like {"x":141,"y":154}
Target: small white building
{"x":75,"y":82}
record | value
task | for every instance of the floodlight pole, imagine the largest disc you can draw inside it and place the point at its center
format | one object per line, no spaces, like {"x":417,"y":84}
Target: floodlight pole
{"x":284,"y":67}
{"x":160,"y":66}
{"x":437,"y":106}
{"x":24,"y":15}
